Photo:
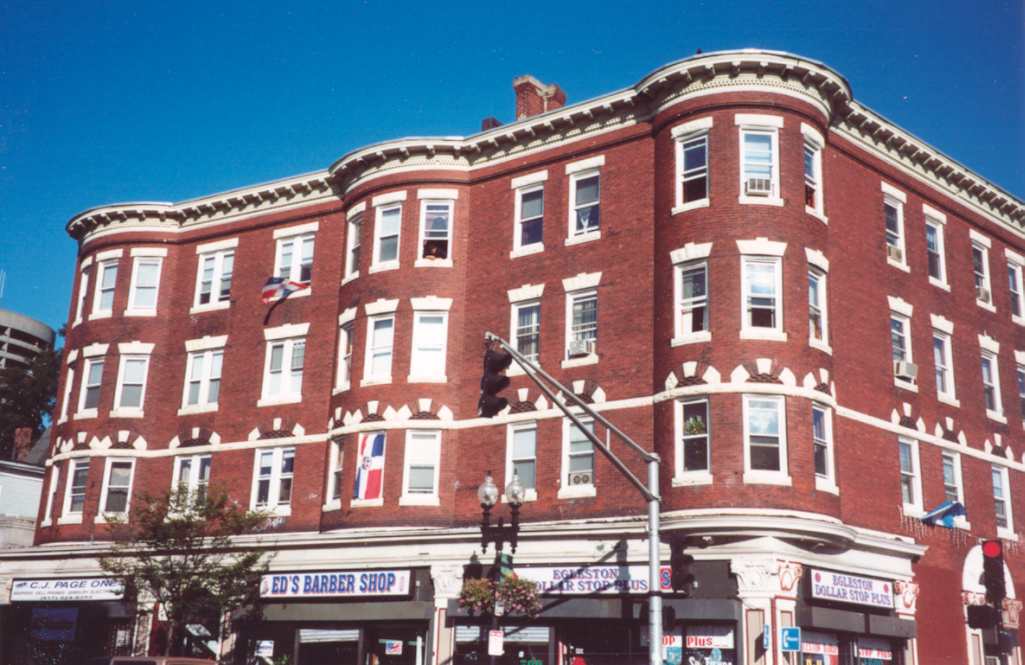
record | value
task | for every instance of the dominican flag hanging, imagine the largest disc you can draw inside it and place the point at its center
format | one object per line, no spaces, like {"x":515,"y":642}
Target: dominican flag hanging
{"x":370,"y":471}
{"x":278,"y":288}
{"x":945,"y":514}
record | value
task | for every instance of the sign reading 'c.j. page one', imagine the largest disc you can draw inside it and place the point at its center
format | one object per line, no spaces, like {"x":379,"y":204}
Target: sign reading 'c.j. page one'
{"x":56,"y":590}
{"x":845,"y":588}
{"x":336,"y":583}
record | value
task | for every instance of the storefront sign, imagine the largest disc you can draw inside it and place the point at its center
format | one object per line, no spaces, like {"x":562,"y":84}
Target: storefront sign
{"x":874,"y":650}
{"x":336,"y":583}
{"x":495,"y":643}
{"x":672,"y":648}
{"x":264,"y":649}
{"x":818,"y":648}
{"x":63,"y":590}
{"x":845,"y":588}
{"x":709,"y":637}
{"x":53,"y":624}
{"x":574,"y":580}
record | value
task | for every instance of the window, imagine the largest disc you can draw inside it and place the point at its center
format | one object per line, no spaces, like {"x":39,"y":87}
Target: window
{"x":203,"y":378}
{"x":980,"y":274}
{"x":69,"y":381}
{"x":935,"y":253}
{"x":818,"y":323}
{"x":765,"y":436}
{"x":435,"y":232}
{"x":582,"y":332}
{"x":380,"y":337}
{"x":142,"y":293}
{"x":762,"y":302}
{"x":759,"y":158}
{"x":942,"y":359}
{"x":692,"y":169}
{"x":991,"y":384}
{"x":893,"y":216}
{"x":192,"y":477}
{"x":812,"y":175}
{"x":421,"y":468}
{"x":904,"y":370}
{"x":692,"y":302}
{"x":1019,"y":373}
{"x":106,"y":282}
{"x":83,"y":290}
{"x":577,"y":461}
{"x":584,"y":203}
{"x":131,"y":385}
{"x":294,"y":259}
{"x":1014,"y":287}
{"x":353,"y":228}
{"x":74,"y":497}
{"x":283,"y":373}
{"x":522,"y":457}
{"x":213,"y":282}
{"x":1002,"y":502}
{"x":272,"y":488}
{"x":335,"y":467}
{"x":117,"y":486}
{"x":386,"y":237}
{"x":952,"y":488}
{"x":693,"y":455}
{"x":89,"y":392}
{"x":530,"y":208}
{"x":345,"y":344}
{"x":527,"y":329}
{"x":822,"y":446}
{"x":430,"y":330}
{"x":910,"y":478}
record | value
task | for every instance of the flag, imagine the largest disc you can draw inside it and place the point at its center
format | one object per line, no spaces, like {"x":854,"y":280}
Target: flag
{"x":279,"y":288}
{"x":945,"y":513}
{"x":370,"y":471}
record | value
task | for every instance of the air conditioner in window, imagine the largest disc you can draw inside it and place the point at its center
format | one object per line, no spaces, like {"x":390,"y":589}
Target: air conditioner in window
{"x":758,"y":186}
{"x":982,"y":294}
{"x":902,"y":369}
{"x":579,"y":348}
{"x":581,"y":478}
{"x":895,"y":253}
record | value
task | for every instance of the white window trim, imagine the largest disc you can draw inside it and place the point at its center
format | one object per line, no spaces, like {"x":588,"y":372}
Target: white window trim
{"x":591,"y":358}
{"x":814,"y":138}
{"x":66,"y":516}
{"x":533,"y":248}
{"x":680,"y":476}
{"x":416,"y":499}
{"x":421,"y":261}
{"x":353,"y":219}
{"x":101,"y":514}
{"x":960,"y":521}
{"x":899,"y":309}
{"x":131,"y":352}
{"x":572,"y":237}
{"x":416,"y":375}
{"x":1017,"y":263}
{"x":346,"y":333}
{"x":69,"y":380}
{"x":81,"y":413}
{"x":897,"y":203}
{"x":514,"y":315}
{"x":916,"y":509}
{"x":83,"y":291}
{"x":987,"y":274}
{"x":367,"y":379}
{"x":377,"y":265}
{"x":680,"y":337}
{"x":821,"y":344}
{"x":101,"y":266}
{"x":1007,"y":532}
{"x":335,"y":449}
{"x":567,"y":491}
{"x":759,"y":476}
{"x":132,"y":309}
{"x":682,"y":134}
{"x":826,"y":483}
{"x":272,"y":507}
{"x":192,"y":483}
{"x":530,"y":493}
{"x":218,"y":253}
{"x":289,"y":342}
{"x":207,"y":352}
{"x":51,"y":491}
{"x":296,"y":235}
{"x":778,"y":333}
{"x":759,"y":124}
{"x":948,"y":396}
{"x":987,"y":351}
{"x":935,"y":221}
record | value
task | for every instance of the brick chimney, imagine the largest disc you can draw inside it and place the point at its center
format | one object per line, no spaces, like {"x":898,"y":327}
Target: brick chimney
{"x":534,"y":97}
{"x":22,"y":443}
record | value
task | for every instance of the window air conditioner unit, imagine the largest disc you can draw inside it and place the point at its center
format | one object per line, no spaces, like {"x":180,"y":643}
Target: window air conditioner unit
{"x":982,"y":294}
{"x":905,"y":370}
{"x":580,"y":347}
{"x":895,"y":253}
{"x":758,"y":187}
{"x":581,"y":478}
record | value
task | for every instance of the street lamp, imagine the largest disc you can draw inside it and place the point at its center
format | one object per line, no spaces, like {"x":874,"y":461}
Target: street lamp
{"x":500,"y":533}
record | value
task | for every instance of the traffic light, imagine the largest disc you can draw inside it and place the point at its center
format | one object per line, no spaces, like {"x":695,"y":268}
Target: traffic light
{"x":494,"y":381}
{"x":981,"y":616}
{"x":680,"y":563}
{"x":993,"y":571}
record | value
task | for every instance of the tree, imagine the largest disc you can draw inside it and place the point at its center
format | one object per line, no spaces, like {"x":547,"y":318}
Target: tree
{"x":27,"y":396}
{"x":179,"y":549}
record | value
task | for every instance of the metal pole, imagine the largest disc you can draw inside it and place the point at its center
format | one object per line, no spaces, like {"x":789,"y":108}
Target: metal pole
{"x":654,"y":570}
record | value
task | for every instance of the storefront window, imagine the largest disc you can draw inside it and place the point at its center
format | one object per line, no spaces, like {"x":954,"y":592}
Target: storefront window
{"x":819,"y":649}
{"x":524,"y":645}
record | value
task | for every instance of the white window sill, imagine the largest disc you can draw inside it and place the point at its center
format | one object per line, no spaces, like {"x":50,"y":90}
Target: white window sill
{"x":911,"y":510}
{"x":100,"y":315}
{"x":767,"y":478}
{"x":516,"y":370}
{"x":692,"y":205}
{"x":432,"y":263}
{"x":126,"y":413}
{"x":210,"y":306}
{"x":76,"y":322}
{"x":62,"y":420}
{"x":301,"y":293}
{"x":276,"y":511}
{"x":333,"y":504}
{"x":340,"y":389}
{"x":536,"y":248}
{"x":581,"y":238}
{"x":816,"y":214}
{"x":693,"y":478}
{"x":419,"y":500}
{"x":906,"y":385}
{"x":591,"y":359}
{"x":366,"y":503}
{"x":764,"y":334}
{"x":899,"y":265}
{"x":692,"y":338}
{"x":141,"y":312}
{"x":820,"y":345}
{"x":70,"y":519}
{"x":1019,"y":320}
{"x":276,"y":401}
{"x":760,"y":200}
{"x":947,"y":399}
{"x":529,"y":494}
{"x":196,"y":408}
{"x":1006,"y":534}
{"x":962,"y":523}
{"x":939,"y":285}
{"x":989,"y":307}
{"x":426,"y":379}
{"x":45,"y":523}
{"x":101,"y":518}
{"x":375,"y":382}
{"x":349,"y":278}
{"x":999,"y":417}
{"x":383,"y":267}
{"x":87,"y":414}
{"x":826,"y":485}
{"x":576,"y":492}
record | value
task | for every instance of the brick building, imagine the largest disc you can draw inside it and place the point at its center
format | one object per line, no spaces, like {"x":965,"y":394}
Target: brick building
{"x":812,"y":316}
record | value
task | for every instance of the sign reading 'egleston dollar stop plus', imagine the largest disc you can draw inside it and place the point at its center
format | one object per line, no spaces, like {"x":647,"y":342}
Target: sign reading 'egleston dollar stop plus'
{"x":844,"y":588}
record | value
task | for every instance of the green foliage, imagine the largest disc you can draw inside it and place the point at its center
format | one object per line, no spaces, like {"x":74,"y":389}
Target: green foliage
{"x":27,"y":396}
{"x":519,"y":597}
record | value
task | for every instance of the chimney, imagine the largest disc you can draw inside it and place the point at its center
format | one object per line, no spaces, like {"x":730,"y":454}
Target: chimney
{"x":534,"y":97}
{"x":489,"y":123}
{"x":22,"y":443}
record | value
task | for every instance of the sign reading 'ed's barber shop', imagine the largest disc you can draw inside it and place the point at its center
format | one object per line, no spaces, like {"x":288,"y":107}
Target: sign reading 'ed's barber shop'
{"x":845,"y":588}
{"x":334,"y":583}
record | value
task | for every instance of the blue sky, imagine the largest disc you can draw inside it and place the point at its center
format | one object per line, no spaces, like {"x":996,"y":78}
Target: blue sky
{"x":127,"y":101}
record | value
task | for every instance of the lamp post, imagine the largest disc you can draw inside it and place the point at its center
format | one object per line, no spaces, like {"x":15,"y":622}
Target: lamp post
{"x":500,"y":533}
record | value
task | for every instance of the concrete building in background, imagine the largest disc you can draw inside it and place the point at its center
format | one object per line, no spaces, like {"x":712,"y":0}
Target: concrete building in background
{"x":816,"y":319}
{"x":21,"y":338}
